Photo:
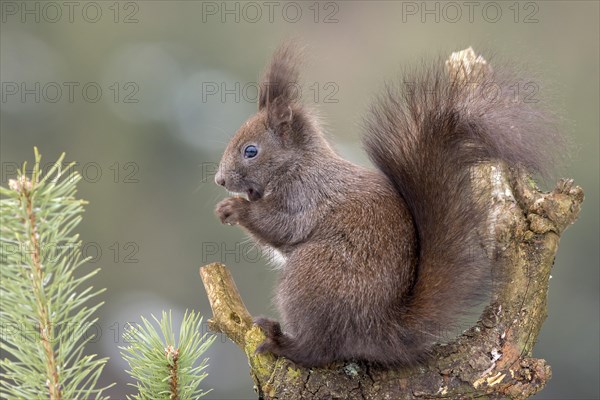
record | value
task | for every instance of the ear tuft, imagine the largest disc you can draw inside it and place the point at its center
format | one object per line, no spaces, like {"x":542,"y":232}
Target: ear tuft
{"x":279,"y":83}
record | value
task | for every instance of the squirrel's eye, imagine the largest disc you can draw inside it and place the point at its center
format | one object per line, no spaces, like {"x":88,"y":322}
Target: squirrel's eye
{"x":250,"y":151}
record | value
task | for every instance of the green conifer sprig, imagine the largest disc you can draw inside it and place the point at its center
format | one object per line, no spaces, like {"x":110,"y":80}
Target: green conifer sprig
{"x":162,"y":367}
{"x":46,"y":310}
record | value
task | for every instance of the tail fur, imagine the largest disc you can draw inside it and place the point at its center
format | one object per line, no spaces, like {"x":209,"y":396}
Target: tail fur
{"x":426,"y":136}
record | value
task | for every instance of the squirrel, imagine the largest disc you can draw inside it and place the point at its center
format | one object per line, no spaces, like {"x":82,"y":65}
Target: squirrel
{"x":376,"y":263}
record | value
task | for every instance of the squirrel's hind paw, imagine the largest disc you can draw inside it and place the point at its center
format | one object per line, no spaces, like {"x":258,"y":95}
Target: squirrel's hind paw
{"x":270,"y":327}
{"x":275,"y":341}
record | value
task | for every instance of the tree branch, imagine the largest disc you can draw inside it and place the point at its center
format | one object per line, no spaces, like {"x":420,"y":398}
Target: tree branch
{"x":37,"y":278}
{"x":491,"y":359}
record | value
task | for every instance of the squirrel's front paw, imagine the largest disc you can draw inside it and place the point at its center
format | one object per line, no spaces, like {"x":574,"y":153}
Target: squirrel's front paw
{"x":230,"y":210}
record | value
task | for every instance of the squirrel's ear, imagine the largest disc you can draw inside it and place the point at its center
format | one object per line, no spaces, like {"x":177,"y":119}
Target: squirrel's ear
{"x":280,"y":79}
{"x":279,"y":115}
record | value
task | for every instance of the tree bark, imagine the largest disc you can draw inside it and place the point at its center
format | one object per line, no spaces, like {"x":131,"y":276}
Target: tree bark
{"x":492,"y":359}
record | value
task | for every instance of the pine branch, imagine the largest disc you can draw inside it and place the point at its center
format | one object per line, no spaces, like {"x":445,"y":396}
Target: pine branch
{"x":162,"y":368}
{"x":44,"y":312}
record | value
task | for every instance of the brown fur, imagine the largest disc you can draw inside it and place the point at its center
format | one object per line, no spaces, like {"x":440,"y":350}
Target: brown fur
{"x":377,"y":263}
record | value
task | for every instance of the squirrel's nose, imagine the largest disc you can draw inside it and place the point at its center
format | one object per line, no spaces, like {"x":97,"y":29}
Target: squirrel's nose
{"x":219,"y":180}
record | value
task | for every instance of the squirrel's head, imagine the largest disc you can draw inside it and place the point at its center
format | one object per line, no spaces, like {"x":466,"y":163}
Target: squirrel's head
{"x":282,"y":135}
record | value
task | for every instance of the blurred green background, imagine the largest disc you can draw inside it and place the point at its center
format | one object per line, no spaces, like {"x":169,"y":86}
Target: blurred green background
{"x":145,"y":95}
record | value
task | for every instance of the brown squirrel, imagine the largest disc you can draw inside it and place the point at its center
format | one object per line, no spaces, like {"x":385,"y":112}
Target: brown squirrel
{"x":377,"y":263}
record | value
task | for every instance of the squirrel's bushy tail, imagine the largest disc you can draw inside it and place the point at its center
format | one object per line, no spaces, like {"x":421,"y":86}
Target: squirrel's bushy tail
{"x":426,"y":136}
